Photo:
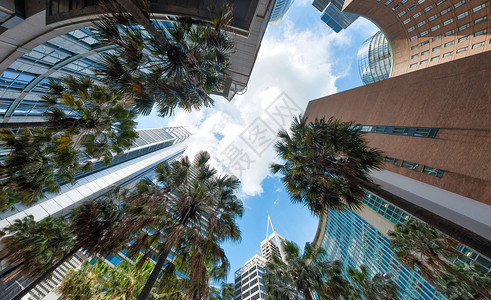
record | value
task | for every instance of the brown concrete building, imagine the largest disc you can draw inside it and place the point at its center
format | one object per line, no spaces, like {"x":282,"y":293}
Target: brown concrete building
{"x":435,"y":127}
{"x":424,"y":33}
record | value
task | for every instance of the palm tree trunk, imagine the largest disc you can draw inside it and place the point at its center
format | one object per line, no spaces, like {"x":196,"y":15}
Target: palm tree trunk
{"x":11,"y":269}
{"x":26,"y":124}
{"x":461,"y":234}
{"x":307,"y":295}
{"x":45,"y":275}
{"x":156,"y":270}
{"x":135,"y":11}
{"x":462,"y":277}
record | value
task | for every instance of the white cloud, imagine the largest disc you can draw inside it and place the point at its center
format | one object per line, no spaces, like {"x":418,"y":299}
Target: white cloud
{"x":293,"y":61}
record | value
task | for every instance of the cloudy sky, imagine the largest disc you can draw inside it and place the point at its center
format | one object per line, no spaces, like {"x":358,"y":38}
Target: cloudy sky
{"x":300,"y":59}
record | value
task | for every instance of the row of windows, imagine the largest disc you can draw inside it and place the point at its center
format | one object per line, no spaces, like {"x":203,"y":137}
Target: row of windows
{"x":415,"y":166}
{"x":399,"y":130}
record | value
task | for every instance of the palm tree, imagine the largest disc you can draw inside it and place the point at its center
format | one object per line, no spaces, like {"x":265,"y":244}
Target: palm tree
{"x":372,"y":288}
{"x":83,"y":284}
{"x":417,"y":244}
{"x":85,"y":121}
{"x":298,"y":274}
{"x":190,"y":208}
{"x":175,"y":71}
{"x":455,"y":289}
{"x":90,"y":228}
{"x":29,"y":171}
{"x":327,"y":165}
{"x":226,"y":292}
{"x":338,"y":287}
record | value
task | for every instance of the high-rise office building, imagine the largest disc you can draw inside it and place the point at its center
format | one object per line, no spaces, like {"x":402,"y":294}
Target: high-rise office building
{"x":375,"y":58}
{"x":332,"y":14}
{"x":40,"y":40}
{"x":248,"y":280}
{"x":280,"y":10}
{"x":152,"y":147}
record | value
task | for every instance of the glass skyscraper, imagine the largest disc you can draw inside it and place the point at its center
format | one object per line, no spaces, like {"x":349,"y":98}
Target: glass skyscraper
{"x":280,"y":9}
{"x":332,"y":14}
{"x":361,"y":238}
{"x":375,"y":58}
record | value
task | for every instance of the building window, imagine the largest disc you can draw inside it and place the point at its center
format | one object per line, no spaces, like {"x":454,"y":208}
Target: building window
{"x":411,"y":7}
{"x":424,"y":33}
{"x":417,"y":15}
{"x":449,"y":44}
{"x":479,"y":7}
{"x":446,"y":10}
{"x":381,"y":129}
{"x":427,"y":9}
{"x":413,"y":65}
{"x":391,"y":160}
{"x":388,"y":2}
{"x":410,"y":29}
{"x":421,"y":23}
{"x":426,"y":132}
{"x":409,"y":165}
{"x":414,"y":56}
{"x":439,"y":2}
{"x":436,"y":48}
{"x":478,"y":45}
{"x":480,"y":20}
{"x":447,"y":54}
{"x":461,"y":50}
{"x":463,"y":15}
{"x":406,"y":21}
{"x":402,"y":13}
{"x":435,"y":27}
{"x":458,"y":3}
{"x":425,"y":52}
{"x":423,"y":62}
{"x":413,"y":38}
{"x":463,"y":27}
{"x":401,"y":130}
{"x":425,"y":42}
{"x":449,"y":21}
{"x":464,"y":38}
{"x":436,"y":38}
{"x":435,"y":57}
{"x":432,"y":171}
{"x":433,"y":17}
{"x":480,"y":32}
{"x":414,"y":47}
{"x":449,"y":32}
{"x":395,"y":7}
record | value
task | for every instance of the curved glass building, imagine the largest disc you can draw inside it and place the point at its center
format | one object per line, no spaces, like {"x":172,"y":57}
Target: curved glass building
{"x":375,"y":59}
{"x":280,"y":10}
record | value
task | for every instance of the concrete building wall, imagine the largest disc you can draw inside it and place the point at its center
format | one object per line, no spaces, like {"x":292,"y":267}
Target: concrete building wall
{"x":452,"y":97}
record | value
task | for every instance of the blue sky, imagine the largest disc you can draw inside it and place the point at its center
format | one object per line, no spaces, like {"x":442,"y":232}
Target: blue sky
{"x":304,"y":59}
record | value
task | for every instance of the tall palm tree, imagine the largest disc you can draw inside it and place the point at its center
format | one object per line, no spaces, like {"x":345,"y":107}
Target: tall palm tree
{"x":297,"y":275}
{"x":90,"y":228}
{"x":83,"y":284}
{"x":173,"y":71}
{"x":417,"y":244}
{"x":85,"y":121}
{"x":451,"y":286}
{"x":189,"y":208}
{"x":377,"y":287}
{"x":338,"y":287}
{"x":327,"y":165}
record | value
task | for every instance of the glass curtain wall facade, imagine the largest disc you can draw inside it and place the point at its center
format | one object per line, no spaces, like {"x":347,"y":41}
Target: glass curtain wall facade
{"x":333,"y":15}
{"x":375,"y":59}
{"x":248,"y":281}
{"x":280,"y":9}
{"x":354,"y":241}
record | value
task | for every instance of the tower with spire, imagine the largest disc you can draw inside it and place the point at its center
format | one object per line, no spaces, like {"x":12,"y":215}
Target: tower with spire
{"x":273,"y":244}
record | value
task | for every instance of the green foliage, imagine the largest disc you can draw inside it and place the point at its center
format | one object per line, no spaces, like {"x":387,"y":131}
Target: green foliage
{"x":84,"y":121}
{"x":175,"y":71}
{"x":326,"y":163}
{"x":226,"y":292}
{"x":455,"y":289}
{"x":378,"y":287}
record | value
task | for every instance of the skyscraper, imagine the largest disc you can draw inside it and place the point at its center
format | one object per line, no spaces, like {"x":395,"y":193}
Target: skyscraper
{"x":248,"y":279}
{"x":153,"y":146}
{"x":280,"y":10}
{"x":332,"y":14}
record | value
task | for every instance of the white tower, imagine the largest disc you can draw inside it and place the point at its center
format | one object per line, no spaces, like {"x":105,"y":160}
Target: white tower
{"x":273,"y":244}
